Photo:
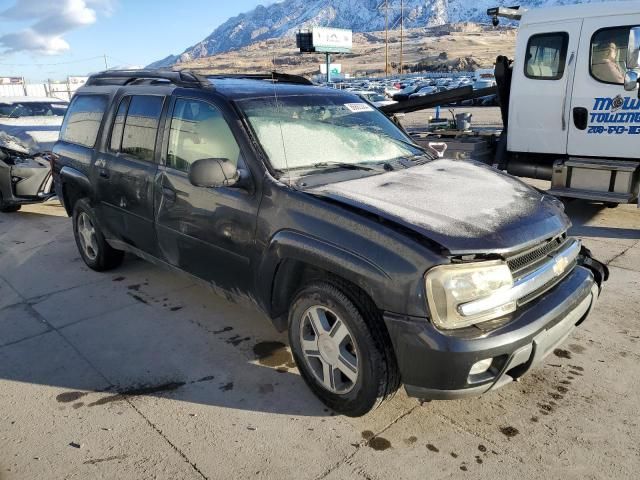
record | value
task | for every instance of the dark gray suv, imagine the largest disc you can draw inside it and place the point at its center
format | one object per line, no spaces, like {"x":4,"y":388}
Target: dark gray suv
{"x":387,"y":265}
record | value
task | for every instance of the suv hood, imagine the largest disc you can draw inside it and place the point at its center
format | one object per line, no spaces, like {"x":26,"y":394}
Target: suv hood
{"x":31,"y":134}
{"x":466,"y":207}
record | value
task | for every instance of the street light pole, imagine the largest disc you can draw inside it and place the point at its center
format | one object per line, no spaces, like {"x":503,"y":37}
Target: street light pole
{"x":386,"y":38}
{"x":401,"y":36}
{"x":328,"y":59}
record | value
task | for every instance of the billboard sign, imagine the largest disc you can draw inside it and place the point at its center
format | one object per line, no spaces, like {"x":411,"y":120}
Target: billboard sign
{"x":334,"y":68}
{"x":11,"y":81}
{"x":332,"y":40}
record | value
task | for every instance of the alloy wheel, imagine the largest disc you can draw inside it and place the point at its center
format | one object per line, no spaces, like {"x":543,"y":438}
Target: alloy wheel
{"x":329,"y":349}
{"x":87,"y":236}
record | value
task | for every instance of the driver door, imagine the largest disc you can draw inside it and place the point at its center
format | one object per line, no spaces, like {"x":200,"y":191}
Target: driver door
{"x":604,"y":120}
{"x":208,"y":232}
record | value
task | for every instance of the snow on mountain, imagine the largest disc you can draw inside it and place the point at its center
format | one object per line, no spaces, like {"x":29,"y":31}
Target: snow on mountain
{"x":287,"y":16}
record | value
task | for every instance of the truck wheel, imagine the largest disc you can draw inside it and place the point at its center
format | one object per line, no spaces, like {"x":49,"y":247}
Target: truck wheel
{"x":8,"y":208}
{"x":343,"y":356}
{"x":93,"y":248}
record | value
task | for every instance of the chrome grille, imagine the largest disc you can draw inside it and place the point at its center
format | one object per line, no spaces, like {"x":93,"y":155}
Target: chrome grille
{"x":528,"y":259}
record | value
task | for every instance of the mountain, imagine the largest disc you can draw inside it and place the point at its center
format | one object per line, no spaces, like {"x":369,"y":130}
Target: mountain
{"x":285,"y":17}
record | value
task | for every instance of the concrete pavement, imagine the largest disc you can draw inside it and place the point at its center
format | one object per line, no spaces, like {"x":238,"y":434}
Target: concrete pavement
{"x":139,"y":373}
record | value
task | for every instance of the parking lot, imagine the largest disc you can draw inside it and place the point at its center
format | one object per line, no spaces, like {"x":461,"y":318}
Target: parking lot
{"x":139,"y":373}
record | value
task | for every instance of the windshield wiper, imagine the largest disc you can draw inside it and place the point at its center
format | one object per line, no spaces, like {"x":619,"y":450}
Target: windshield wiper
{"x":344,"y":165}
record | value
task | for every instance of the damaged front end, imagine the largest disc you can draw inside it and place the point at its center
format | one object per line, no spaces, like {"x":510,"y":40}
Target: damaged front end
{"x":25,"y":177}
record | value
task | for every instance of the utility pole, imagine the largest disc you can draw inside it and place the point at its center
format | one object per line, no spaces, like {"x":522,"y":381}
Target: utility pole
{"x":106,"y":67}
{"x":328,"y":60}
{"x":386,"y":38}
{"x":401,"y":36}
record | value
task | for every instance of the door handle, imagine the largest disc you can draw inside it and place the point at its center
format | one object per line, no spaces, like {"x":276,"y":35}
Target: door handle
{"x":580,"y":118}
{"x":566,"y":90}
{"x":169,"y":194}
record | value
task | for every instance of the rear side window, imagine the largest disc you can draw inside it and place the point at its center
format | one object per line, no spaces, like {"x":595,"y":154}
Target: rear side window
{"x":141,"y":126}
{"x":82,"y":121}
{"x":118,"y":125}
{"x":546,"y":56}
{"x":609,"y":55}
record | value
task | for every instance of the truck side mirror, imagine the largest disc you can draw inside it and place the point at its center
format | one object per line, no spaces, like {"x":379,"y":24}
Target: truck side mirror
{"x":213,"y":172}
{"x":633,"y":60}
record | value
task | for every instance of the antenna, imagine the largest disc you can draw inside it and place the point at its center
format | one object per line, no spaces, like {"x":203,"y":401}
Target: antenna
{"x":284,"y":147}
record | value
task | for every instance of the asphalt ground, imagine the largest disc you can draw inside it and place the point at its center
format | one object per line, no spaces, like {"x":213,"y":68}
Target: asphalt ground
{"x":139,"y":373}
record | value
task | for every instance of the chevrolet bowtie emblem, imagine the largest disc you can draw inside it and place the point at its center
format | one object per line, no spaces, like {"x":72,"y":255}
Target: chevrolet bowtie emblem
{"x":560,"y":266}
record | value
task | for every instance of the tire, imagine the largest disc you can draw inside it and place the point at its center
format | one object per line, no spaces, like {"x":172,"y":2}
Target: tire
{"x":94,"y":249}
{"x":366,"y":346}
{"x":8,"y":207}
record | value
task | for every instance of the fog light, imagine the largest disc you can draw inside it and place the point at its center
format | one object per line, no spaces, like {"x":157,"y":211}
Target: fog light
{"x":481,"y":366}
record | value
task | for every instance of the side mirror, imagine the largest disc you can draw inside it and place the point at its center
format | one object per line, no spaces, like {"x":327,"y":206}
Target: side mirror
{"x":633,"y":60}
{"x":213,"y":172}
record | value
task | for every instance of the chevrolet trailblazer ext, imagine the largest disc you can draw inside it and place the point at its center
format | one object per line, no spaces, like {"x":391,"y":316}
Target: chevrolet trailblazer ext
{"x":386,"y":264}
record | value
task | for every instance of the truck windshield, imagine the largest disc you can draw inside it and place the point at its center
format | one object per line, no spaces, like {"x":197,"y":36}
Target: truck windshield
{"x":298,"y":131}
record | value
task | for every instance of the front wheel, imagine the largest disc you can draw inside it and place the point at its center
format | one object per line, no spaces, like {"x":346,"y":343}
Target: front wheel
{"x":8,"y":207}
{"x":343,"y":356}
{"x":93,"y":248}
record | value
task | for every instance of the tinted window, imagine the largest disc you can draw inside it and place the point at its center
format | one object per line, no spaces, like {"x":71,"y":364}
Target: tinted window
{"x":82,"y":121}
{"x":546,"y":56}
{"x":609,"y":54}
{"x":141,"y":125}
{"x":118,"y":125}
{"x":198,"y":130}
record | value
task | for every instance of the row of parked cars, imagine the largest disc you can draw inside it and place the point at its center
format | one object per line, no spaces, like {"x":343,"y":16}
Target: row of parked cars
{"x":401,"y":89}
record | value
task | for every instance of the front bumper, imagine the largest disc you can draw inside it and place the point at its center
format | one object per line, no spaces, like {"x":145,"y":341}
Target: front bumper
{"x":435,"y":364}
{"x":27,"y":182}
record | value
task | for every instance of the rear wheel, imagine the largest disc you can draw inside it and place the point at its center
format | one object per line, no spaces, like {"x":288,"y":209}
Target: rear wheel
{"x":93,"y":248}
{"x":343,"y":356}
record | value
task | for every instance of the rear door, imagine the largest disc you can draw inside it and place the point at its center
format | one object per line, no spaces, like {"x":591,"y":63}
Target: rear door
{"x":208,"y":232}
{"x":605,"y":119}
{"x":541,"y":87}
{"x":126,"y":171}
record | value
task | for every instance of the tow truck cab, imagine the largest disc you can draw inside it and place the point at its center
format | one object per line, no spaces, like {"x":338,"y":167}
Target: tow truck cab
{"x":569,"y":100}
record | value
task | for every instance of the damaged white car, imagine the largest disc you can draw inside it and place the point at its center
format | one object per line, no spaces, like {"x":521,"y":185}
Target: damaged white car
{"x":29,"y":126}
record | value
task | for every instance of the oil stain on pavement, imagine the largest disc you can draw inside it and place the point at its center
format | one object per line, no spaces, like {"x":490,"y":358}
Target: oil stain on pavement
{"x":274,"y":354}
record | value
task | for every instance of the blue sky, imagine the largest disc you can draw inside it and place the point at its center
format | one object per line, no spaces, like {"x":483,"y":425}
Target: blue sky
{"x":36,"y":34}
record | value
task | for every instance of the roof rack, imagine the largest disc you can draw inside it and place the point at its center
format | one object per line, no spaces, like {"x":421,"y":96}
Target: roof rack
{"x":183,"y":78}
{"x":273,"y":76}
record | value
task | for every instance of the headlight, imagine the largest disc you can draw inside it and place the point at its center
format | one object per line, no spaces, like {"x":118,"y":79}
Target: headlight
{"x":451,"y":286}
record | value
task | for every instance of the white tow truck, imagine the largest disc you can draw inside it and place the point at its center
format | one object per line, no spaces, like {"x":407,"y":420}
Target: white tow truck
{"x":570,"y":102}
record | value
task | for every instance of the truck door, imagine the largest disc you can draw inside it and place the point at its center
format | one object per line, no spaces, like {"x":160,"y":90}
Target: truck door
{"x":541,"y":87}
{"x":208,"y":232}
{"x":126,"y":171}
{"x":605,"y":119}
